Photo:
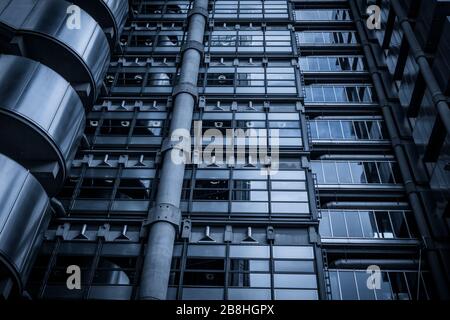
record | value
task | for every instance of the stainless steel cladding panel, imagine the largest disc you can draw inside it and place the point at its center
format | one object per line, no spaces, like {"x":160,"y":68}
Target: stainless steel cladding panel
{"x":41,"y":118}
{"x":111,"y":15}
{"x":24,"y":216}
{"x":69,"y":41}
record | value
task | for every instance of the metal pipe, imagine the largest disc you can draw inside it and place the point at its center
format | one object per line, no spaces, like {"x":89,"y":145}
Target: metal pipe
{"x":382,"y":263}
{"x":434,"y":262}
{"x":158,"y":255}
{"x":439,"y":98}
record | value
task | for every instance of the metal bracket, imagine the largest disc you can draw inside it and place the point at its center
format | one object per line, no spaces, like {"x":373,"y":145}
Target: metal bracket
{"x":168,"y":144}
{"x":164,"y":212}
{"x":186,"y":87}
{"x":198,"y":10}
{"x":195,"y":45}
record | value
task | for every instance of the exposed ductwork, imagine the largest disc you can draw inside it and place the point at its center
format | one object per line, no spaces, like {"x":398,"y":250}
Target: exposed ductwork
{"x":53,"y":75}
{"x":111,"y":15}
{"x":24,"y":216}
{"x":165,"y":217}
{"x":41,"y":119}
{"x":41,"y":30}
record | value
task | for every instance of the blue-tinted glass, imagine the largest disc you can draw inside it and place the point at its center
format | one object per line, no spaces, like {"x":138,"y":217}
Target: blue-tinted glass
{"x":338,"y":225}
{"x":399,"y":225}
{"x":334,"y":283}
{"x":368,"y":224}
{"x":336,"y":131}
{"x":323,"y":130}
{"x":348,"y":285}
{"x":344,"y":174}
{"x":399,"y":286}
{"x":364,"y":292}
{"x":329,"y":169}
{"x":358,"y":173}
{"x":384,"y":224}
{"x":324,"y":226}
{"x":353,"y":224}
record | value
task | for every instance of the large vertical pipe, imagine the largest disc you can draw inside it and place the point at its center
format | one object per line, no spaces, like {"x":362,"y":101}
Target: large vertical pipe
{"x":166,"y":214}
{"x":437,"y":270}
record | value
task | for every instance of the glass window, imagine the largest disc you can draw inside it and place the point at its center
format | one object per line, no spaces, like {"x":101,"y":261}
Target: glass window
{"x":324,"y":226}
{"x":330,"y":173}
{"x":334,"y":283}
{"x":399,"y":225}
{"x":304,"y":281}
{"x":353,"y":224}
{"x":371,"y":171}
{"x":202,"y":294}
{"x":294,"y":266}
{"x":344,"y":174}
{"x":286,"y":294}
{"x":358,"y":173}
{"x":338,"y":225}
{"x":293,"y":252}
{"x":249,"y":251}
{"x":384,"y":224}
{"x":348,"y":285}
{"x":206,"y":250}
{"x":336,"y":130}
{"x":248,"y":294}
{"x":369,"y":224}
{"x":364,"y":292}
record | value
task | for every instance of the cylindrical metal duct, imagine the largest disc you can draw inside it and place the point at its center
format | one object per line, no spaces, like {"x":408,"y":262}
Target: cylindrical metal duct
{"x":111,"y":15}
{"x":24,"y":216}
{"x":42,"y":119}
{"x":385,"y":264}
{"x":165,"y":217}
{"x":71,"y":43}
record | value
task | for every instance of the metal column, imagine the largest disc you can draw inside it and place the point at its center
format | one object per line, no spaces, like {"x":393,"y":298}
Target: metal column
{"x":436,"y":267}
{"x":164,"y":218}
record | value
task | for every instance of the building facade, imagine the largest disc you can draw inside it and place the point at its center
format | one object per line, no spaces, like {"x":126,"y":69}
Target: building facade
{"x":354,"y":116}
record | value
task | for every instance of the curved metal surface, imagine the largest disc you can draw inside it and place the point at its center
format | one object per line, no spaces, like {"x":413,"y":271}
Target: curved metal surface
{"x":111,"y":15}
{"x":48,"y":31}
{"x":41,"y":118}
{"x":24,"y":217}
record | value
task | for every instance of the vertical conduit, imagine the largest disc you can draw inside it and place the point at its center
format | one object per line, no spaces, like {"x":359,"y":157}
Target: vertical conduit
{"x":437,"y":270}
{"x":165,"y":217}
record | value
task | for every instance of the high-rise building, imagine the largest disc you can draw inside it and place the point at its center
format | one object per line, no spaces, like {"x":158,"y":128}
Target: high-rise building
{"x":341,"y":191}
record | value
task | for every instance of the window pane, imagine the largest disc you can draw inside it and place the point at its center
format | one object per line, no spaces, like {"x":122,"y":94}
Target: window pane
{"x":384,"y":224}
{"x":329,"y":169}
{"x":353,"y":224}
{"x":399,"y":225}
{"x":358,"y":173}
{"x":343,"y":169}
{"x":294,"y":266}
{"x":338,"y":225}
{"x":324,"y":226}
{"x":369,"y":225}
{"x":364,"y":292}
{"x":304,"y":281}
{"x":348,"y":285}
{"x":334,"y":283}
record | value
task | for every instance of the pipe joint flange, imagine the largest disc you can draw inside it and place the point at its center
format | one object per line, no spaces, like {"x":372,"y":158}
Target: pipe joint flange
{"x":198,"y":10}
{"x":168,"y":144}
{"x":164,"y":212}
{"x":438,"y":97}
{"x":186,"y":87}
{"x":195,"y":45}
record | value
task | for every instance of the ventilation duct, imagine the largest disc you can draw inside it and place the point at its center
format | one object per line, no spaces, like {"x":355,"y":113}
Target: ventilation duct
{"x":111,"y":15}
{"x":45,"y":31}
{"x":41,"y":119}
{"x":24,"y":216}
